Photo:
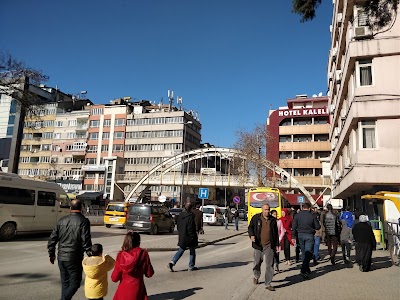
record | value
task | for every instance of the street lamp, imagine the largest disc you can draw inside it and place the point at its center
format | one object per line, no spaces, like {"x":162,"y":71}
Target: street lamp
{"x":182,"y":167}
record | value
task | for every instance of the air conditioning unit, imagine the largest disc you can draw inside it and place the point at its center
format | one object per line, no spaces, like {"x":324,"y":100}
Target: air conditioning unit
{"x":332,"y":109}
{"x":338,"y":175}
{"x":334,"y":53}
{"x":362,"y":32}
{"x":343,"y":113}
{"x":336,"y":132}
{"x":339,"y":19}
{"x":347,"y":163}
{"x":338,"y":76}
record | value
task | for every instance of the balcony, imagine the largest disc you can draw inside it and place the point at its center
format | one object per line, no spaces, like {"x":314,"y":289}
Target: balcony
{"x":305,"y":146}
{"x":96,"y":168}
{"x":81,"y":127}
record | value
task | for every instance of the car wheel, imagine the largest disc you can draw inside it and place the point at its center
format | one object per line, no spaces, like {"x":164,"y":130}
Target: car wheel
{"x":154,"y":230}
{"x":172,"y":228}
{"x":7,"y":232}
{"x":108,"y":225}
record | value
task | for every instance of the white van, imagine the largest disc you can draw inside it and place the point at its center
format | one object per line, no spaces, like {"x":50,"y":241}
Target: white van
{"x":29,"y":205}
{"x":212,"y":215}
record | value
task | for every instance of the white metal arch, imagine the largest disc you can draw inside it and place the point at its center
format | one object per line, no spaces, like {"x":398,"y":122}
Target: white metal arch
{"x":185,"y":157}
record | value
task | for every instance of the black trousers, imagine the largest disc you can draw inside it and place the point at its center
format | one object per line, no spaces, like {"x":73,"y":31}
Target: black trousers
{"x":71,"y":277}
{"x":286,"y":247}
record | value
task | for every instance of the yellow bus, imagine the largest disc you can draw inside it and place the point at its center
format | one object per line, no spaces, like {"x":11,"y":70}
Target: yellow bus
{"x":384,"y":209}
{"x":257,"y":196}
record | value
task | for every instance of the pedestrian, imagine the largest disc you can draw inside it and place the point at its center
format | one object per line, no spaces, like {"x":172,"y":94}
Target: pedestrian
{"x":348,"y":216}
{"x":281,"y":234}
{"x":198,"y":218}
{"x":365,"y":242}
{"x":187,"y":238}
{"x":295,"y":241}
{"x":96,"y":268}
{"x":263,"y":233}
{"x":287,"y":222}
{"x":226,"y":217}
{"x":304,"y":226}
{"x":131,"y":264}
{"x":236,"y":218}
{"x":87,"y":210}
{"x":72,"y":234}
{"x":332,"y":232}
{"x":317,"y":239}
{"x":346,"y":238}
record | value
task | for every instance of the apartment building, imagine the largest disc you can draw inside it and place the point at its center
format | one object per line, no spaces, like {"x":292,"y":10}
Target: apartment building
{"x":155,"y":133}
{"x":364,"y":102}
{"x":299,"y":142}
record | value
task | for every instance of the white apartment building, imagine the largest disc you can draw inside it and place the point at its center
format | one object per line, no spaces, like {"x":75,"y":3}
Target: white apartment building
{"x":364,"y":102}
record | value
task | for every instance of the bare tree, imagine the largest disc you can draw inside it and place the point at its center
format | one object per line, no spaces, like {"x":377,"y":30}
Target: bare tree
{"x":381,"y":13}
{"x":15,"y":78}
{"x":254,"y":145}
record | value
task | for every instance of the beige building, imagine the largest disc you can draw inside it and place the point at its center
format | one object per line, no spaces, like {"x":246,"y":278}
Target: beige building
{"x":364,"y":102}
{"x":300,"y":139}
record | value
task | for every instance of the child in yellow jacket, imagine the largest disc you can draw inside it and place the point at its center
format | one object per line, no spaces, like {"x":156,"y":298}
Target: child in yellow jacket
{"x":96,"y":268}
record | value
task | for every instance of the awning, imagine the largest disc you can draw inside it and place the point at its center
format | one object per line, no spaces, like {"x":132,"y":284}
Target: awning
{"x":90,"y":196}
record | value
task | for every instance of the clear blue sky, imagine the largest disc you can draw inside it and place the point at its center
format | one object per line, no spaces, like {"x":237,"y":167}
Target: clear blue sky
{"x":229,"y":59}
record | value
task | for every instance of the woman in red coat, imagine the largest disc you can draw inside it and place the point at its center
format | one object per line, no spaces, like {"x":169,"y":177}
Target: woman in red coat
{"x":131,"y":264}
{"x":287,"y":221}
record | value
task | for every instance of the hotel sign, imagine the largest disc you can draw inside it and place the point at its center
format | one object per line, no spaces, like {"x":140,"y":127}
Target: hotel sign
{"x":303,"y":112}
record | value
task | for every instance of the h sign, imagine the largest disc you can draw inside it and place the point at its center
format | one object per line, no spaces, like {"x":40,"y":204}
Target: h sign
{"x":300,"y":199}
{"x":203,"y":193}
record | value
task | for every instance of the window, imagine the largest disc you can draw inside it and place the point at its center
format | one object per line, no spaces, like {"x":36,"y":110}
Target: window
{"x":11,"y":120}
{"x":97,"y":111}
{"x":118,"y":148}
{"x":45,"y":159}
{"x":362,"y":18}
{"x":93,"y":136}
{"x":286,"y":122}
{"x":90,"y":161}
{"x":285,"y":138}
{"x":364,"y":72}
{"x":94,"y":123}
{"x":322,"y":154}
{"x":367,"y":134}
{"x":104,"y":148}
{"x":46,"y":199}
{"x":302,"y":154}
{"x":303,"y":172}
{"x":69,"y":147}
{"x":302,"y":138}
{"x":72,"y":123}
{"x":302,"y":121}
{"x":285,"y":155}
{"x":321,"y":137}
{"x":24,"y":159}
{"x":119,"y":135}
{"x":106,"y":135}
{"x":92,"y":149}
{"x":321,"y":120}
{"x":107,"y":123}
{"x":59,"y":123}
{"x":10,"y":130}
{"x":10,"y":195}
{"x":70,"y":135}
{"x":119,"y":122}
{"x":49,"y":135}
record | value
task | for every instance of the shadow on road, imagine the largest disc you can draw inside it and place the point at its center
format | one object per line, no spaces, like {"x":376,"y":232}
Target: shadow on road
{"x":380,"y":263}
{"x":175,"y":295}
{"x":26,"y":277}
{"x":227,"y":265}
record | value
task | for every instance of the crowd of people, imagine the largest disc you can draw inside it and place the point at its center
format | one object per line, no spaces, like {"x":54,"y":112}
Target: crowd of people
{"x":306,"y":229}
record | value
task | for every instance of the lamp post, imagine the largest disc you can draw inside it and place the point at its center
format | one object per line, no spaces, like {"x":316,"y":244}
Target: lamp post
{"x":182,"y":165}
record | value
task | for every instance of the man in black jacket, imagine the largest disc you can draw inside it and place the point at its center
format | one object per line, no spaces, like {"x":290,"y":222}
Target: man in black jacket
{"x":263,"y":233}
{"x":72,"y":233}
{"x":304,"y":226}
{"x":187,"y":238}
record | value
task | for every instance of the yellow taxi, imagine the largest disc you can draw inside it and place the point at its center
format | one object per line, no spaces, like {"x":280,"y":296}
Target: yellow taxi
{"x":115,"y":214}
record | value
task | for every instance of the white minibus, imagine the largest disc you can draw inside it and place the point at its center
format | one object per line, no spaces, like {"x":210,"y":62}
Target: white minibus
{"x":29,"y":205}
{"x":212,"y":215}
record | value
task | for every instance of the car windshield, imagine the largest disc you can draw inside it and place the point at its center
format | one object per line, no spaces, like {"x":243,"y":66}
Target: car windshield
{"x":119,"y":208}
{"x":139,"y":210}
{"x":208,"y":210}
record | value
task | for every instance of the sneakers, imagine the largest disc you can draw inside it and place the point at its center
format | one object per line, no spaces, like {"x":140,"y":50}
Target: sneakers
{"x":270,"y":288}
{"x":304,"y":275}
{"x":193,"y":269}
{"x":255,"y":281}
{"x":170,"y":266}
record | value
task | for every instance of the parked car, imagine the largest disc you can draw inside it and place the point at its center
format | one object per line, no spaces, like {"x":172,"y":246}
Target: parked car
{"x":175,"y":213}
{"x":149,"y":217}
{"x":212,"y":215}
{"x":242,"y":214}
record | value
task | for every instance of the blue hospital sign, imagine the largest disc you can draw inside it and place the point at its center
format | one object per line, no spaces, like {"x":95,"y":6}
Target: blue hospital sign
{"x":300,"y":199}
{"x":203,"y":193}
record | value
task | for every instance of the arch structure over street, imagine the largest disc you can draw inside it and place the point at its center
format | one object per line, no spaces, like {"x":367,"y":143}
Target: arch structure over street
{"x":174,"y":163}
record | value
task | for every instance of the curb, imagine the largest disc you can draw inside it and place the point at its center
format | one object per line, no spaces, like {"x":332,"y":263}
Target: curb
{"x":202,"y":245}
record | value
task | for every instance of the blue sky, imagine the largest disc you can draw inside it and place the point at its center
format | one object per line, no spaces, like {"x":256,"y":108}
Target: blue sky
{"x":229,"y":59}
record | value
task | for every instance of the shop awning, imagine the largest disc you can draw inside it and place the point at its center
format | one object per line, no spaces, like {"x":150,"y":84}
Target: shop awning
{"x":90,"y":196}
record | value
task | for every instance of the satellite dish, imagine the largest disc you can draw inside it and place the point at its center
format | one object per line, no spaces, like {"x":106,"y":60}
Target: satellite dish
{"x":315,"y":95}
{"x":320,"y":94}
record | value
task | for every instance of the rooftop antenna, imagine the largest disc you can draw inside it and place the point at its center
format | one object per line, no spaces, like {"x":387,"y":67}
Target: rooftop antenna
{"x":179,"y":101}
{"x":170,"y":99}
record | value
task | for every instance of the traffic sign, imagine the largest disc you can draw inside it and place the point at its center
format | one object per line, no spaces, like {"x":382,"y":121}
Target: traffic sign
{"x":203,"y":193}
{"x":162,"y":198}
{"x":300,"y":199}
{"x":236,"y":199}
